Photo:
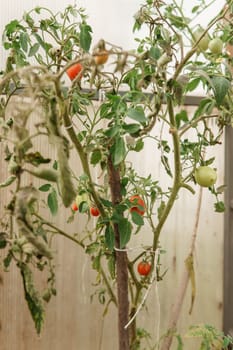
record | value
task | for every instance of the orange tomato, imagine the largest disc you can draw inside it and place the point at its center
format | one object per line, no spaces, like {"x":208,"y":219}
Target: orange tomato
{"x":74,"y":207}
{"x":74,"y":71}
{"x":101,"y":57}
{"x":144,"y":268}
{"x":139,"y":204}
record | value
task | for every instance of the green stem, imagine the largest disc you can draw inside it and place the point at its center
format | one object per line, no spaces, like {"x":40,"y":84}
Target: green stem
{"x":59,"y":231}
{"x":177,"y":174}
{"x":78,"y":146}
{"x":109,"y":289}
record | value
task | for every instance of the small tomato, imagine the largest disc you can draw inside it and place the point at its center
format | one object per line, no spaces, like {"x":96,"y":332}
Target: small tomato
{"x":144,"y":268}
{"x":203,"y":43}
{"x":74,"y":71}
{"x":205,"y":176}
{"x":94,"y":211}
{"x":139,"y":204}
{"x":101,"y":57}
{"x":216,"y":46}
{"x":74,"y":207}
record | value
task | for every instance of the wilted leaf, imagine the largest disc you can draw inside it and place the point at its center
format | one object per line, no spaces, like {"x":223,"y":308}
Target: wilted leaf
{"x":32,"y":297}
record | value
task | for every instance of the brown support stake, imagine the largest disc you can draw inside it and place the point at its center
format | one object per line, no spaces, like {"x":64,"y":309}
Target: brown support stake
{"x":121,"y":263}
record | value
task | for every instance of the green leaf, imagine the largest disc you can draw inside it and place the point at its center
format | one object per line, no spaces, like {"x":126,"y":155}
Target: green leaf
{"x":137,"y":218}
{"x":112,"y":266}
{"x":109,"y":237}
{"x":165,"y":162}
{"x":96,"y":156}
{"x":139,"y":145}
{"x":3,"y":241}
{"x":131,"y":128}
{"x":205,"y":106}
{"x":24,"y":39}
{"x":221,"y":87}
{"x":52,"y":202}
{"x":33,"y":49}
{"x":154,"y":52}
{"x":118,"y":151}
{"x":219,"y":207}
{"x":83,"y":207}
{"x":7,"y":260}
{"x":113,"y":131}
{"x":182,"y":116}
{"x":193,"y":84}
{"x":124,"y":231}
{"x":85,"y":37}
{"x":137,"y":114}
{"x":12,"y":26}
{"x":45,"y":188}
{"x":8,"y":181}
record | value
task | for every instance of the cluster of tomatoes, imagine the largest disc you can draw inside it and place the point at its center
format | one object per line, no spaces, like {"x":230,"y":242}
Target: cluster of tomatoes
{"x":76,"y":70}
{"x":138,"y":206}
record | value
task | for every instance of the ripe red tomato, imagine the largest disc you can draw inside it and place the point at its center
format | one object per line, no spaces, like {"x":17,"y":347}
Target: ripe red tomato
{"x":101,"y":57}
{"x":139,"y":204}
{"x":94,"y":211}
{"x":144,"y":268}
{"x":74,"y":71}
{"x":74,"y":207}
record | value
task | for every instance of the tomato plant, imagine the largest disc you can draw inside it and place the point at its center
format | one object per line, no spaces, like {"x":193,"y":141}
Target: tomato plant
{"x":144,"y":104}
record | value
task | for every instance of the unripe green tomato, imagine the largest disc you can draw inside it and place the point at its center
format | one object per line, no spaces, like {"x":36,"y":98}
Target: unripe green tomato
{"x":205,"y":176}
{"x":216,"y":46}
{"x":203,"y":43}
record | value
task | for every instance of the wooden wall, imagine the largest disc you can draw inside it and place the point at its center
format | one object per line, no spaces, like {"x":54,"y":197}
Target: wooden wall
{"x":73,"y":322}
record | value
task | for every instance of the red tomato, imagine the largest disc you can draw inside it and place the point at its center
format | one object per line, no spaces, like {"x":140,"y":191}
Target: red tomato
{"x":139,"y":204}
{"x":102,"y":57}
{"x":144,"y":268}
{"x":94,"y":211}
{"x":75,"y":70}
{"x":74,"y":207}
